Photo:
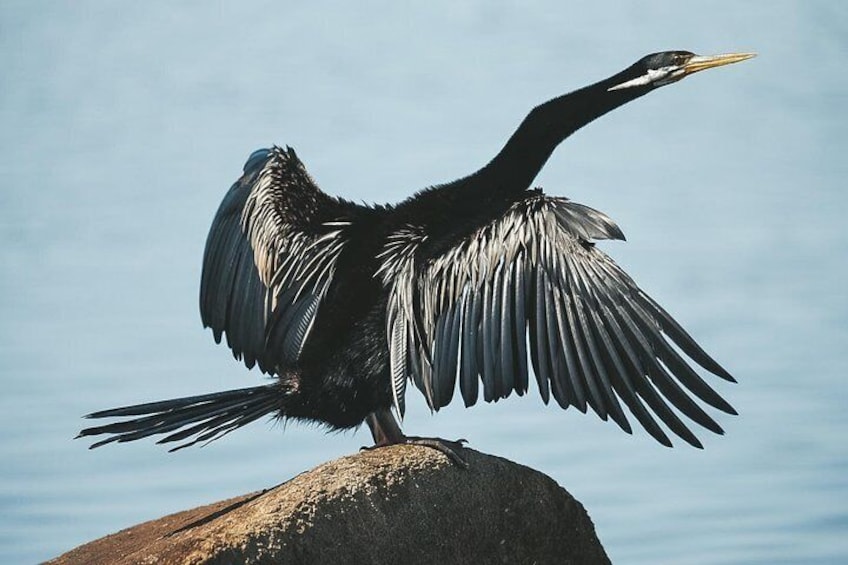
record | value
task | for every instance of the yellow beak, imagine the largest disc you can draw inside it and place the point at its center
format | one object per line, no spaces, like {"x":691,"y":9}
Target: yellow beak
{"x":701,"y":62}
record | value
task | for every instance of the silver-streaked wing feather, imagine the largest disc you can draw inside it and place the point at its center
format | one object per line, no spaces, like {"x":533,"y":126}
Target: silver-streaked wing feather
{"x":397,"y":270}
{"x":595,"y":339}
{"x":269,"y":259}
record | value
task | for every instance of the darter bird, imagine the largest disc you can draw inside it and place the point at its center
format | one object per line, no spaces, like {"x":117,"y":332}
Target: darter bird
{"x":460,"y":284}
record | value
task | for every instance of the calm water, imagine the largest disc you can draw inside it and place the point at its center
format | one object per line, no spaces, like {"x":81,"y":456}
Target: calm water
{"x":121,"y":128}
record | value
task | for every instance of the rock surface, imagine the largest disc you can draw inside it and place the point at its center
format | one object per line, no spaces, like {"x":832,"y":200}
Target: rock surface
{"x":400,"y":504}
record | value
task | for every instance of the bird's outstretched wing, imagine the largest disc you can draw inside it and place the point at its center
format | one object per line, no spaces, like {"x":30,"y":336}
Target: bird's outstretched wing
{"x":595,"y":338}
{"x":269,"y":259}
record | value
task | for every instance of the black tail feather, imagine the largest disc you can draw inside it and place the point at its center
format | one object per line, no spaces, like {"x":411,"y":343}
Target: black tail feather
{"x":212,"y":416}
{"x":222,"y":425}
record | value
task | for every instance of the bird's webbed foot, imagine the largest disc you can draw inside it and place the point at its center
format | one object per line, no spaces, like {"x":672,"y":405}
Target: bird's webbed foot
{"x":450,"y":448}
{"x":385,"y":430}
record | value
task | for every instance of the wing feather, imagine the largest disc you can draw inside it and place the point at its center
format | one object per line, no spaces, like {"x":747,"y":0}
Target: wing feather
{"x":506,"y":293}
{"x":539,"y":340}
{"x":269,"y":259}
{"x":586,"y":307}
{"x":567,"y":381}
{"x":488,"y":343}
{"x":469,"y":368}
{"x":532,"y":283}
{"x":519,"y":326}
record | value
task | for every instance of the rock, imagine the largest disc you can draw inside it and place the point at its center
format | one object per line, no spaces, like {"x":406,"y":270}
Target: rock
{"x":400,"y":504}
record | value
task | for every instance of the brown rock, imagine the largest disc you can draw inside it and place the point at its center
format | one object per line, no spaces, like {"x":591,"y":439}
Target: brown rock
{"x":401,"y":504}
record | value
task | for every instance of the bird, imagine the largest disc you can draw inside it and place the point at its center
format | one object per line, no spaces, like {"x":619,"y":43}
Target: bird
{"x":480,"y":285}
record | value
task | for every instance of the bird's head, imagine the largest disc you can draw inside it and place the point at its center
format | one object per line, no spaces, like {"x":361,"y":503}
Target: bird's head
{"x":660,"y":69}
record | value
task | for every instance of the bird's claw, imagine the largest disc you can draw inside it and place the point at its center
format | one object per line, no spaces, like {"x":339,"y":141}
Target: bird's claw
{"x":449,"y":448}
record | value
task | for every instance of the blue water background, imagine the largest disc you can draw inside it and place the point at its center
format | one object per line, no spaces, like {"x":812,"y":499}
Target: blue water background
{"x":122,"y":124}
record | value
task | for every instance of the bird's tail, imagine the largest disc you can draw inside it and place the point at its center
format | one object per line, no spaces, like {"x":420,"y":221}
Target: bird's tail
{"x":203,"y":418}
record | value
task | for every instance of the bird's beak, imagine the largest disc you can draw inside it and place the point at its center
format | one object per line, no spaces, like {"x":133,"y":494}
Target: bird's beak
{"x":702,"y":62}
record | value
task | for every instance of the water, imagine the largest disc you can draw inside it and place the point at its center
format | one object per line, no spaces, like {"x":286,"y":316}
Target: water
{"x":122,"y":126}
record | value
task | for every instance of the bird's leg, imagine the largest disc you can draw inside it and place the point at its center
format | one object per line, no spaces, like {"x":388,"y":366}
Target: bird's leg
{"x":386,"y":431}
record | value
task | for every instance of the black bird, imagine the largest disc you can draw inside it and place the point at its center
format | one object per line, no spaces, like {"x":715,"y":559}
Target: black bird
{"x":343,"y":303}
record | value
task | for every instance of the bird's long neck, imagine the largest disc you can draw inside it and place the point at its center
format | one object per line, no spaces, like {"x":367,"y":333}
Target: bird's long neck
{"x":545,"y":127}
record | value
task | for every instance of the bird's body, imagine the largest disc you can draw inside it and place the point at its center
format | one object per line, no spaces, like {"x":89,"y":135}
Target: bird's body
{"x":475,"y":285}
